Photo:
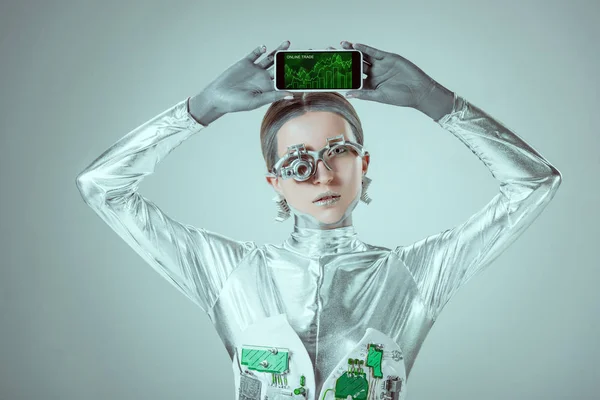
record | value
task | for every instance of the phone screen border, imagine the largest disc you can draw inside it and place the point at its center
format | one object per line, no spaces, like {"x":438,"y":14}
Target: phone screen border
{"x":279,"y":79}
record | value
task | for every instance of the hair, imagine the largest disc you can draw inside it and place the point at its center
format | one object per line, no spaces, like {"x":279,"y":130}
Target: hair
{"x":282,"y":111}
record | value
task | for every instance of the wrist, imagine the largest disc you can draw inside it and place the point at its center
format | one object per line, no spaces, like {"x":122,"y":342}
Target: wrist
{"x":437,"y":103}
{"x":202,"y":110}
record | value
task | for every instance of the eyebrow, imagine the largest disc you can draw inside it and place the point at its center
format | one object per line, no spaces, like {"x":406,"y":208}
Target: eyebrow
{"x":311,"y":148}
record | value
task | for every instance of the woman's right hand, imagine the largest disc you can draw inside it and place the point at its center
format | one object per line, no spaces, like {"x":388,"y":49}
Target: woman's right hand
{"x":244,"y":86}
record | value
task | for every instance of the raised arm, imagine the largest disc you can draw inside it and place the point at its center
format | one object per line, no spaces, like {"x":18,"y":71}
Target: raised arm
{"x":195,"y":261}
{"x":441,"y":263}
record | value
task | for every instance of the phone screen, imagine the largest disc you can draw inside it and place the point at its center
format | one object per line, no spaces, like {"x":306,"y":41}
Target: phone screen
{"x":318,"y":70}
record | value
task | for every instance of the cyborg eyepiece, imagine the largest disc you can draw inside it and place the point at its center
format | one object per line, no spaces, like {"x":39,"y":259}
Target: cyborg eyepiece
{"x":301,"y":164}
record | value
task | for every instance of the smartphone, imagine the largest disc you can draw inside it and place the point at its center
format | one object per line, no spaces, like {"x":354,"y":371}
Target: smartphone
{"x":318,"y":70}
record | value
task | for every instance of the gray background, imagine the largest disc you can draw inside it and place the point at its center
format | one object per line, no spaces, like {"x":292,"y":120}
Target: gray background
{"x":83,"y":317}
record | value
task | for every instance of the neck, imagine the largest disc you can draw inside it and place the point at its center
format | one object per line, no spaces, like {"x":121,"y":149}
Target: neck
{"x":310,"y":222}
{"x":318,"y":242}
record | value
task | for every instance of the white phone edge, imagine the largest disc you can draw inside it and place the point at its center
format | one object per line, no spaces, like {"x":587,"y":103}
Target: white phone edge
{"x":315,"y":90}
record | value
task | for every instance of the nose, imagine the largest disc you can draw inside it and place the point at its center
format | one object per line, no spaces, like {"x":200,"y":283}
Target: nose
{"x":322,"y":174}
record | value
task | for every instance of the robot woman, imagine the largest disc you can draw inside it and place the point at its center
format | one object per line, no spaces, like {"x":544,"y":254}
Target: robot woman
{"x":322,"y":315}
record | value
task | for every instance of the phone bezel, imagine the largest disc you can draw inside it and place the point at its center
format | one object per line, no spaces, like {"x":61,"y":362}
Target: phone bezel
{"x":357,"y":70}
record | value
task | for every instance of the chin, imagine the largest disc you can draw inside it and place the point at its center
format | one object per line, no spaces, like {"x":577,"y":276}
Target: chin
{"x":329,"y":218}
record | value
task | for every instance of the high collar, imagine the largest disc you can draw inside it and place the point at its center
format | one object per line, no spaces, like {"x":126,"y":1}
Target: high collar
{"x":313,"y":242}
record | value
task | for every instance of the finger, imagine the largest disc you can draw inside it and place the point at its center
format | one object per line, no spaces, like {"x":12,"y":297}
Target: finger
{"x":271,"y":72}
{"x":270,"y":58}
{"x":370,"y":51}
{"x":366,"y":68}
{"x":257,"y":52}
{"x":267,"y":61}
{"x":362,"y":94}
{"x":348,"y":46}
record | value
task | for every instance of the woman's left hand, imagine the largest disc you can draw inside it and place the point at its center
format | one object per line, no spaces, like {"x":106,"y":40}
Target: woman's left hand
{"x":392,"y":79}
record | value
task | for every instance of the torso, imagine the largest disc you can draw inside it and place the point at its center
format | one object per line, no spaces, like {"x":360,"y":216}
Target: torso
{"x":328,"y":300}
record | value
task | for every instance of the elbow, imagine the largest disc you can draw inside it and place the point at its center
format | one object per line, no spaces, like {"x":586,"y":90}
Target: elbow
{"x":89,"y":190}
{"x":555,"y":178}
{"x":550,"y":183}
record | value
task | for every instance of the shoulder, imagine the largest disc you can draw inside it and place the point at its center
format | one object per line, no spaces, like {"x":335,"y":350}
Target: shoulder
{"x":371,"y":247}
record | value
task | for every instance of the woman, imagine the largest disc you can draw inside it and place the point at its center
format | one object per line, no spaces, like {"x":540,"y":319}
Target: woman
{"x":323,"y":315}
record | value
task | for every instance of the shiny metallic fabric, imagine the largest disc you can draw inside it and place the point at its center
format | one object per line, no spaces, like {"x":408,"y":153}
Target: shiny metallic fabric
{"x":322,"y":294}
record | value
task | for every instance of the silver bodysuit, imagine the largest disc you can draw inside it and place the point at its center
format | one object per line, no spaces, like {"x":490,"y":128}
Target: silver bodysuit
{"x":321,"y":315}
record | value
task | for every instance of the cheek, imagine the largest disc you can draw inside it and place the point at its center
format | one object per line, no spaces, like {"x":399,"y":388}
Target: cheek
{"x":293,"y":190}
{"x":349,"y":171}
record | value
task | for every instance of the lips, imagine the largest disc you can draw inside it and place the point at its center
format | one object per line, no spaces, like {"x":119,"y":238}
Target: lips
{"x":329,"y":195}
{"x":326,"y":198}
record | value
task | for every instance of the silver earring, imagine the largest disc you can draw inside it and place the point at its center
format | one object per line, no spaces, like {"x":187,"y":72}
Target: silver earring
{"x":283,"y":210}
{"x":364,"y":196}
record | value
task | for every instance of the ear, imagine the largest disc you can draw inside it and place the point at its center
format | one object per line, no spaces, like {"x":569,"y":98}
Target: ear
{"x":275,"y":183}
{"x":365,"y":162}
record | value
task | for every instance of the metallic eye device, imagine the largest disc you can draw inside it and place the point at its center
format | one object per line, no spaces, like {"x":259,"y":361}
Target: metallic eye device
{"x":301,"y":164}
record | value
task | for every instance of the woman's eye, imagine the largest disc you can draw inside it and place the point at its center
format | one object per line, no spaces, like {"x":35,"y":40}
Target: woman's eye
{"x":338,"y":150}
